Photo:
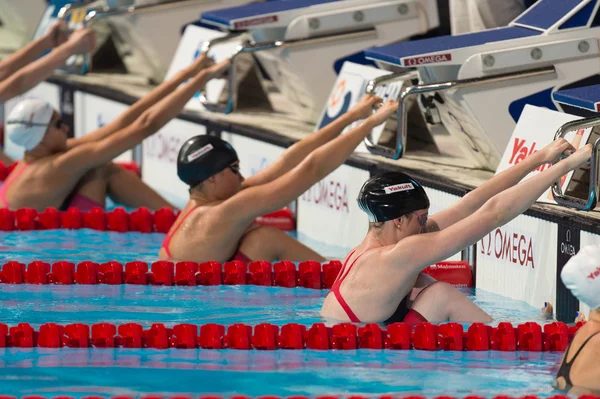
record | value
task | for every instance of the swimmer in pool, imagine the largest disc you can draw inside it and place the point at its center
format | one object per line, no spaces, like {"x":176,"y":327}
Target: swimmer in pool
{"x":579,"y":371}
{"x":60,"y":172}
{"x":22,"y":70}
{"x":380,"y":280}
{"x":216,"y":224}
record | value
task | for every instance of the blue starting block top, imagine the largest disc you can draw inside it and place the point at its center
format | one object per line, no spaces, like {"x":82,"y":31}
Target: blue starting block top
{"x":583,"y":97}
{"x":395,"y":53}
{"x":226,"y":16}
{"x":546,"y":13}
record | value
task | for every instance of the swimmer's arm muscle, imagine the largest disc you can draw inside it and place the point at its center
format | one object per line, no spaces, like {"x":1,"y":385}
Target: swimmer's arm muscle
{"x":496,"y":212}
{"x":471,"y":202}
{"x":258,"y":200}
{"x":300,"y":150}
{"x":97,"y":153}
{"x":24,"y":56}
{"x":135,"y":110}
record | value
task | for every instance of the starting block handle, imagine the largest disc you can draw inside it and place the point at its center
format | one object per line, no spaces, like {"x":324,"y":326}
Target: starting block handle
{"x":402,"y":130}
{"x":569,"y":201}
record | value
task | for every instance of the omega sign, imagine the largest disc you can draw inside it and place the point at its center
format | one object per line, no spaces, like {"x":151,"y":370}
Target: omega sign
{"x":330,"y":194}
{"x":427,"y":59}
{"x":507,"y":246}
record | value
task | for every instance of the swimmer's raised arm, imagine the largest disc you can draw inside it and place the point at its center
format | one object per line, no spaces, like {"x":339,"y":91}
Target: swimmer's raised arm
{"x":258,"y":200}
{"x":55,"y":36}
{"x":471,"y":202}
{"x":134,"y":111}
{"x":81,"y":41}
{"x":300,"y":150}
{"x":96,"y":153}
{"x":496,"y":212}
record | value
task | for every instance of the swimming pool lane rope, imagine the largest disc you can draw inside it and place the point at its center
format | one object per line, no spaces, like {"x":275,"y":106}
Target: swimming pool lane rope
{"x":529,"y":337}
{"x":150,"y":396}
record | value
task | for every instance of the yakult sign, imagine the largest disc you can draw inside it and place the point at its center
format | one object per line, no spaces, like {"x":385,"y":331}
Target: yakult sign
{"x":534,"y":131}
{"x":349,"y":89}
{"x":518,"y":260}
{"x":328,"y":211}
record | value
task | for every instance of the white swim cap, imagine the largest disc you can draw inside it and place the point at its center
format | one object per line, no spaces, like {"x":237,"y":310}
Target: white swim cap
{"x":28,"y":121}
{"x":581,"y":275}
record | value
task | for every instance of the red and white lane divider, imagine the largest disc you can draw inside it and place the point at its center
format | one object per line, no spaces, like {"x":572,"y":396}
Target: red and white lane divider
{"x":295,"y":397}
{"x":346,"y":336}
{"x":309,"y":274}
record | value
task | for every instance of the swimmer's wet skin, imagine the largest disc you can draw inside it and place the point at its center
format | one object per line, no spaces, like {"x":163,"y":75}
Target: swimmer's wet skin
{"x":217,"y":222}
{"x":59,"y":172}
{"x":402,"y":240}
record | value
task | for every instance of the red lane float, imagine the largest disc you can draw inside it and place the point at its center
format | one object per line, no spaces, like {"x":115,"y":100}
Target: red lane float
{"x":119,"y":220}
{"x":283,"y":274}
{"x":265,"y":336}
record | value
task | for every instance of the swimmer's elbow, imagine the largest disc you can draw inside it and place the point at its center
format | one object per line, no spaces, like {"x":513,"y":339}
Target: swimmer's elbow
{"x":147,"y":124}
{"x":311,"y":167}
{"x":495,"y":212}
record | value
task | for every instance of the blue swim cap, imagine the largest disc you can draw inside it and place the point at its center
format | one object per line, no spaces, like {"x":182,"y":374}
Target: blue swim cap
{"x":391,"y":195}
{"x":202,"y":157}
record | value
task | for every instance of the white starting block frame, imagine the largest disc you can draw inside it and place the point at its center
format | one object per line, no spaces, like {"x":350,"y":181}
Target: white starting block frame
{"x":587,"y":98}
{"x":477,"y":84}
{"x":137,"y":26}
{"x":288,"y":36}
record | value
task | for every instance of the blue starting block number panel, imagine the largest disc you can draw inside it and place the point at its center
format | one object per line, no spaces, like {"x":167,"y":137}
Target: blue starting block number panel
{"x":398,"y":53}
{"x":583,"y":97}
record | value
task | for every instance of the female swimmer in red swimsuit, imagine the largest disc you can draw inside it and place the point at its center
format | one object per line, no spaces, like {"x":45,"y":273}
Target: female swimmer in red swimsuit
{"x":376,"y":283}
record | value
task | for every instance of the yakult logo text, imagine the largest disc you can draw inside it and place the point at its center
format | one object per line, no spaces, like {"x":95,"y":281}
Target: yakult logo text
{"x":330,"y":194}
{"x":399,"y":187}
{"x":508,"y":246}
{"x":594,"y":274}
{"x":522,"y":149}
{"x":428,"y":59}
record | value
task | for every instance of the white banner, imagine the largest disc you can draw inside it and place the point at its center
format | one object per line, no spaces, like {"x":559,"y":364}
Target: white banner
{"x":254,"y":155}
{"x":44,"y":91}
{"x":159,"y":160}
{"x":534,"y":131}
{"x":439,"y":201}
{"x":349,"y":88}
{"x":518,"y":260}
{"x":92,"y":112}
{"x":329,"y":213}
{"x":189,"y":49}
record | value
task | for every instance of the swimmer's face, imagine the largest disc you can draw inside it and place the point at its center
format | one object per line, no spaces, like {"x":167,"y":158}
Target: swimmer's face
{"x":419,"y":222}
{"x":230,"y":180}
{"x":56,"y":135}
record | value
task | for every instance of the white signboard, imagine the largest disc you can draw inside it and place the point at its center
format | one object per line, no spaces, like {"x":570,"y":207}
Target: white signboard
{"x":328,"y":211}
{"x":92,"y":112}
{"x":189,"y":49}
{"x":159,"y":160}
{"x":349,"y":88}
{"x":534,"y":131}
{"x":518,"y":260}
{"x":44,"y":91}
{"x":439,"y":201}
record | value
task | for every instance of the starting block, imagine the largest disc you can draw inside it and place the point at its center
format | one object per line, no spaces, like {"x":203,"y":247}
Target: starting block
{"x":131,"y":26}
{"x":586,"y":98}
{"x":477,"y":84}
{"x":288,"y":37}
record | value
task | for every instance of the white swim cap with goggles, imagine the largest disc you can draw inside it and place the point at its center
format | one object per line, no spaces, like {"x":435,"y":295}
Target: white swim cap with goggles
{"x":581,"y":275}
{"x":28,"y":122}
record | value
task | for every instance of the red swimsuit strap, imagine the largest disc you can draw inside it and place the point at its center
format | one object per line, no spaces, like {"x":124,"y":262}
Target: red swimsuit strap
{"x":8,"y":182}
{"x":173,"y":230}
{"x":336,"y":288}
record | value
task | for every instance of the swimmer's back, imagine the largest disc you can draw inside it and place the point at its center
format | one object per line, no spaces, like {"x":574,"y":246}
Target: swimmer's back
{"x":372,"y":288}
{"x":584,"y":371}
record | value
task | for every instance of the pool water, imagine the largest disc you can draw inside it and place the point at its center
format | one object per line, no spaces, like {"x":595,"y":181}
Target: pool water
{"x":79,"y":372}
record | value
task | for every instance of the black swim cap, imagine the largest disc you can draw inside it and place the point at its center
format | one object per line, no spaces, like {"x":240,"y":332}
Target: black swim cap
{"x":391,"y":195}
{"x":202,"y":157}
